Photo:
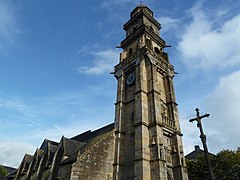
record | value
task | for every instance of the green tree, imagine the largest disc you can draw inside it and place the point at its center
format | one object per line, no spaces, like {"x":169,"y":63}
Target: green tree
{"x":226,"y":166}
{"x":197,"y":169}
{"x":3,"y":170}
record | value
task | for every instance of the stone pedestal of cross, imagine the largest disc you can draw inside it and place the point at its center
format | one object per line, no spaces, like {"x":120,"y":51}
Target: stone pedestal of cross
{"x":204,"y":140}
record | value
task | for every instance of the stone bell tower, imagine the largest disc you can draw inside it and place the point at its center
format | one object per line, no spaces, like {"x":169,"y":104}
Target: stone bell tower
{"x":148,"y":136}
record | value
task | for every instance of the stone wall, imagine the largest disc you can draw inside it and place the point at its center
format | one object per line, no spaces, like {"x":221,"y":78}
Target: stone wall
{"x":96,"y":160}
{"x":64,"y":171}
{"x":46,"y":174}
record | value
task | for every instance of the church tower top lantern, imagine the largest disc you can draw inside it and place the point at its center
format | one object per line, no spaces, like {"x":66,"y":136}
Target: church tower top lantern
{"x":141,"y":21}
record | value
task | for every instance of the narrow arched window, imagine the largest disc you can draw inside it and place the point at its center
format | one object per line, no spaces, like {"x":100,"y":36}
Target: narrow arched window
{"x":148,"y":43}
{"x":135,"y":28}
{"x":130,"y":51}
{"x":156,"y":50}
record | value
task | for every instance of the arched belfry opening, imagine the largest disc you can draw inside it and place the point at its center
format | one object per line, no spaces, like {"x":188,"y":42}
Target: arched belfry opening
{"x":157,"y":50}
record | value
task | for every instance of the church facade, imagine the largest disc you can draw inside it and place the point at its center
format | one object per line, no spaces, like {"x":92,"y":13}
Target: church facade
{"x":145,"y":141}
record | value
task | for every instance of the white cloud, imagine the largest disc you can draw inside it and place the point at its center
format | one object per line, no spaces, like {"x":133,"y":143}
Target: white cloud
{"x":222,"y":127}
{"x":168,"y":23}
{"x":104,"y":62}
{"x":210,"y":41}
{"x":11,"y":153}
{"x":224,"y":106}
{"x":69,"y":114}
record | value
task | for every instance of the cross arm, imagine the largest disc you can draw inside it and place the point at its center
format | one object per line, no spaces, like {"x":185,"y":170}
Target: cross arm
{"x":194,"y":119}
{"x":205,"y":115}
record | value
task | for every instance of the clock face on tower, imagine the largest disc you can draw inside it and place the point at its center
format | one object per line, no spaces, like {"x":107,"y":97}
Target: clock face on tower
{"x":130,"y":78}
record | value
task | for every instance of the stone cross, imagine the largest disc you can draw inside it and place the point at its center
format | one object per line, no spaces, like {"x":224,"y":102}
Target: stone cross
{"x":204,"y":140}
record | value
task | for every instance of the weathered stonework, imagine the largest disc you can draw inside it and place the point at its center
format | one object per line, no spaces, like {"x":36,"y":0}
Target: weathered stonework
{"x":86,"y":156}
{"x":145,"y":141}
{"x":148,"y":136}
{"x":96,"y":160}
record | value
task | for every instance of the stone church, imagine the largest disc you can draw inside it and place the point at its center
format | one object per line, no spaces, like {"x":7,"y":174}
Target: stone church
{"x":145,"y":141}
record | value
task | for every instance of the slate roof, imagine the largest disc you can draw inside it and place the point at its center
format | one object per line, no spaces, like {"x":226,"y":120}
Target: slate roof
{"x":46,"y":142}
{"x":88,"y":135}
{"x":194,"y":154}
{"x":76,"y":143}
{"x":27,"y":160}
{"x":2,"y":177}
{"x":70,"y":147}
{"x":37,"y":155}
{"x":49,"y":147}
{"x":9,"y":169}
{"x":12,"y":174}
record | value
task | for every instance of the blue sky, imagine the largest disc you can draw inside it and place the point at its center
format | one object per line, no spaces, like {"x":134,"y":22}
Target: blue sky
{"x":56,"y":57}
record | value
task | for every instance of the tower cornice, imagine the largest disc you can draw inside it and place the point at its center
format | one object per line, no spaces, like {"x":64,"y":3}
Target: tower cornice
{"x":129,"y":60}
{"x":139,"y":15}
{"x":142,"y":30}
{"x":156,"y":59}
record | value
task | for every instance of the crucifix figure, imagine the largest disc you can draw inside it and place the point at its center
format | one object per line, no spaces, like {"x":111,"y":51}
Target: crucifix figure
{"x":204,"y":139}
